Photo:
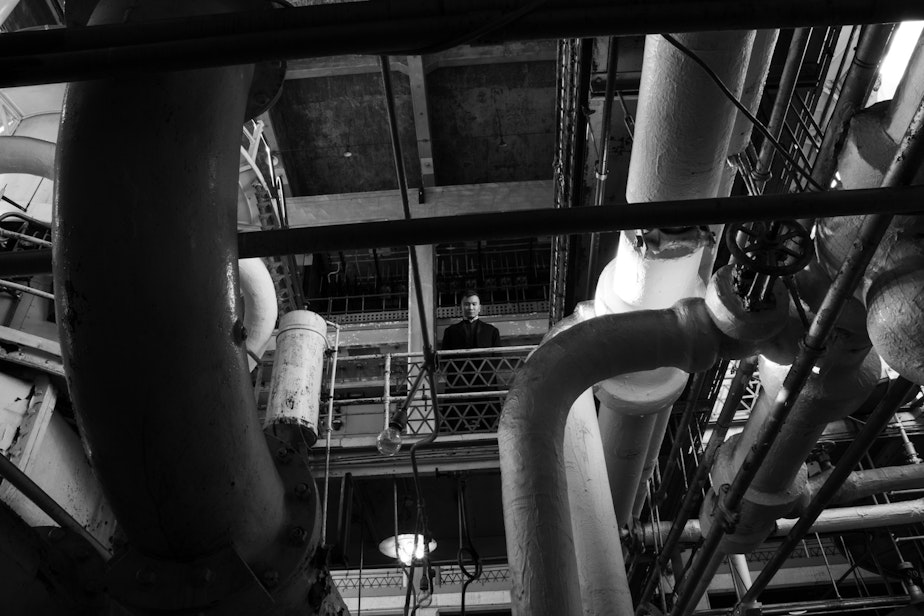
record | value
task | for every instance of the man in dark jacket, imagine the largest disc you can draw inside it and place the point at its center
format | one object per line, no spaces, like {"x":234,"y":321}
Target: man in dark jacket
{"x":470,"y":332}
{"x":470,"y":374}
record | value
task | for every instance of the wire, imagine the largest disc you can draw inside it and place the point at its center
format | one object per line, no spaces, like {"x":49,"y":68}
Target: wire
{"x":466,"y":547}
{"x":477,"y":33}
{"x":744,"y":110}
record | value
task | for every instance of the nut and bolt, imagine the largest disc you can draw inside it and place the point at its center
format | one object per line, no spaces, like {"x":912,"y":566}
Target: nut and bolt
{"x":270,"y":578}
{"x":302,"y":491}
{"x":203,"y":576}
{"x":298,"y":535}
{"x":146,"y":576}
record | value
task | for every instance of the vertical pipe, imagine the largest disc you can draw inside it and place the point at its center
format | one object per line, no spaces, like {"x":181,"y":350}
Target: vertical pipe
{"x":603,"y":162}
{"x":693,"y":494}
{"x":156,"y":378}
{"x":597,"y":548}
{"x":784,"y":93}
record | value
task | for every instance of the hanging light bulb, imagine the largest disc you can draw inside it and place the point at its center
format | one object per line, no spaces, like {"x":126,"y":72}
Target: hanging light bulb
{"x":406,"y":547}
{"x":389,"y":440}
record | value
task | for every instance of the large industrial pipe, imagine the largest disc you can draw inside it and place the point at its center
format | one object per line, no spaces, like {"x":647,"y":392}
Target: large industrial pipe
{"x":688,"y":336}
{"x":27,"y":155}
{"x":154,"y":349}
{"x":677,"y":153}
{"x":892,"y":286}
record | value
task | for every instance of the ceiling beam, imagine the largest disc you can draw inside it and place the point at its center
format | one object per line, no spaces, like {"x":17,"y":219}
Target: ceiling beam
{"x":420,"y":108}
{"x":543,"y":222}
{"x":393,"y":27}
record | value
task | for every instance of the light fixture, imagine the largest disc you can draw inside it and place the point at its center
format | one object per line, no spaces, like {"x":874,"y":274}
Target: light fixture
{"x":406,"y":547}
{"x":389,"y":440}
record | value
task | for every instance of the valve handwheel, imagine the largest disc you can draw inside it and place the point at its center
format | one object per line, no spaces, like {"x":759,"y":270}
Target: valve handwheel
{"x":774,"y":248}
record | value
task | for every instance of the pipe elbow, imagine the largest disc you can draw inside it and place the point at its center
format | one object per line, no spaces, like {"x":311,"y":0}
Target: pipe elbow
{"x":260,"y":306}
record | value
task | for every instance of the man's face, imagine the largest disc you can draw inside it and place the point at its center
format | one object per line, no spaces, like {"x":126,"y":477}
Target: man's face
{"x":471,"y":306}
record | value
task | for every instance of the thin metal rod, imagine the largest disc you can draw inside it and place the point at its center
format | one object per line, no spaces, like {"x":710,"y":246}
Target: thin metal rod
{"x":603,"y":159}
{"x":397,"y":27}
{"x":693,"y":495}
{"x":26,"y":289}
{"x":781,"y":104}
{"x":25,"y":238}
{"x":330,"y":429}
{"x":838,"y":606}
{"x":31,"y":490}
{"x":877,"y":421}
{"x":696,"y":389}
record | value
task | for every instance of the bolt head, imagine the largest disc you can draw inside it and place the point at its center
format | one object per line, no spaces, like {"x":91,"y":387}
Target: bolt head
{"x":283,"y":454}
{"x":56,"y":534}
{"x":302,"y":491}
{"x":298,"y":535}
{"x":203,"y":576}
{"x":270,"y":578}
{"x":146,"y":576}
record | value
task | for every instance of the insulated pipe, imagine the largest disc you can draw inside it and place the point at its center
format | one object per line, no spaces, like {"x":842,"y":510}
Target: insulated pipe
{"x":597,"y":545}
{"x":293,"y":409}
{"x":728,"y":503}
{"x":151,"y":385}
{"x":754,"y":82}
{"x":678,"y":152}
{"x":864,"y":483}
{"x":530,"y":436}
{"x":862,"y":74}
{"x":894,"y":398}
{"x":693,"y":496}
{"x":832,"y":520}
{"x":27,"y":155}
{"x":260,"y":307}
{"x":597,"y":548}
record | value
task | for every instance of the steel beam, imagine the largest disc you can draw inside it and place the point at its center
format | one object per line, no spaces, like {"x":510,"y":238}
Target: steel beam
{"x":395,"y":27}
{"x":541,"y":222}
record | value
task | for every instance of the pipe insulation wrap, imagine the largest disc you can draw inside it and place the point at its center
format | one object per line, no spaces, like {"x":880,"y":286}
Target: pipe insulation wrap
{"x":260,"y":306}
{"x":684,"y":122}
{"x":27,"y":155}
{"x":597,"y":547}
{"x":540,"y":541}
{"x":165,"y":406}
{"x":298,"y":367}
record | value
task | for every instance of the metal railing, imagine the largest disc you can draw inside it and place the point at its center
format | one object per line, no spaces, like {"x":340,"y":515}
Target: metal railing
{"x":471,"y":387}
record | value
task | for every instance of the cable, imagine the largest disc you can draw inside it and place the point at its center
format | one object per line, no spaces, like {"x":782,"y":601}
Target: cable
{"x":466,"y":547}
{"x":757,"y":123}
{"x":477,"y":33}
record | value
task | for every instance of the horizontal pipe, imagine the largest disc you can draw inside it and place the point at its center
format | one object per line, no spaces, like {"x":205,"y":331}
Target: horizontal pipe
{"x":834,"y":520}
{"x":837,"y":606}
{"x":864,"y":483}
{"x":539,"y":222}
{"x":397,"y":27}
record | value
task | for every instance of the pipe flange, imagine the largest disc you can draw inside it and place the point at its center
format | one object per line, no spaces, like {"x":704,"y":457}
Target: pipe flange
{"x":75,"y":567}
{"x":221,"y":581}
{"x":298,"y":540}
{"x":266,"y":87}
